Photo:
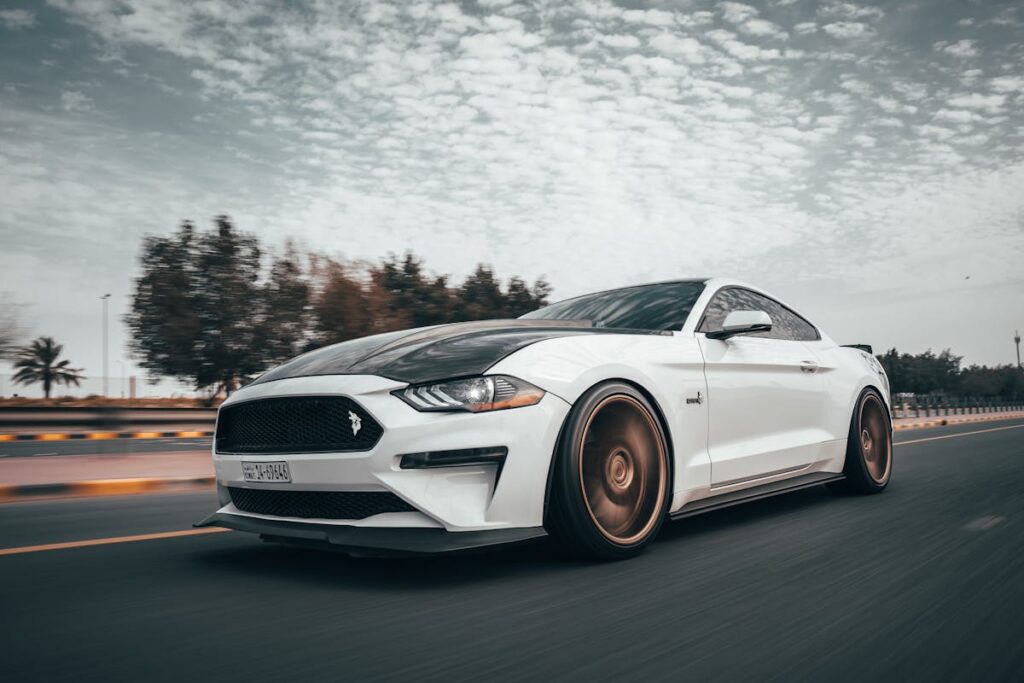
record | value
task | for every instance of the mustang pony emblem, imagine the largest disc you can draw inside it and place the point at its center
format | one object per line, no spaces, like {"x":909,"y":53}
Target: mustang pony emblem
{"x":356,"y":422}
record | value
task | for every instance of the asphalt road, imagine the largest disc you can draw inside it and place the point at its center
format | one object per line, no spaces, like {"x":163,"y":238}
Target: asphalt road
{"x":924,"y":582}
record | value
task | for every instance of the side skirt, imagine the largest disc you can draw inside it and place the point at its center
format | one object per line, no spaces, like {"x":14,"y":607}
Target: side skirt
{"x":775,"y":488}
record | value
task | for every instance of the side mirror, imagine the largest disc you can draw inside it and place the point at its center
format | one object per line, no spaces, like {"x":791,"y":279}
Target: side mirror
{"x":742,"y":322}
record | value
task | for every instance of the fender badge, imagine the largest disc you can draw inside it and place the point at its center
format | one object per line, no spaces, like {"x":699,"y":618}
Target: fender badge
{"x":698,"y":400}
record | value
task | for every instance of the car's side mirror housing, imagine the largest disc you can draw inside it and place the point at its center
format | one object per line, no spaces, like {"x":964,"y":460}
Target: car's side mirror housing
{"x":742,"y":322}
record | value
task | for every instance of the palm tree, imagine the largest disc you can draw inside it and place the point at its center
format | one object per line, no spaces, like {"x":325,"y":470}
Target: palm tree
{"x":37,"y":362}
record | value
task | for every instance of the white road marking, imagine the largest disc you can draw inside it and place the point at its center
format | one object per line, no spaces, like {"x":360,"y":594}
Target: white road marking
{"x":953,"y":436}
{"x":984,"y":523}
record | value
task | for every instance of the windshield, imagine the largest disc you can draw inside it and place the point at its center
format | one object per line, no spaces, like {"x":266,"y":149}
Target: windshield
{"x":663,"y":306}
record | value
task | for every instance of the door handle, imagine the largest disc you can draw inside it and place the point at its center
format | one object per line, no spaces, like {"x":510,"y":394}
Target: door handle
{"x":808,"y":366}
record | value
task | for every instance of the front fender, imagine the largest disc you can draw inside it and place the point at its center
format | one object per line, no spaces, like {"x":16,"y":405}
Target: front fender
{"x":669,"y":368}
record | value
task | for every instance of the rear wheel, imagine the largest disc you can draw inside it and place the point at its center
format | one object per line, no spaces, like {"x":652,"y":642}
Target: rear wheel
{"x":610,"y":483}
{"x":868,"y":464}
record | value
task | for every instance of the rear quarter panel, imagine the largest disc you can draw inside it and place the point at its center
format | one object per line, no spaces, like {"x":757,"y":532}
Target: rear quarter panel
{"x":847,"y":372}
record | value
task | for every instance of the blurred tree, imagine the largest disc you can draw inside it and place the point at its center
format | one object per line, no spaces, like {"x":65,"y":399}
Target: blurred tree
{"x":1002,"y":381}
{"x":340,"y":306}
{"x":521,"y":299}
{"x":163,"y":321}
{"x":226,"y":299}
{"x":205,"y":309}
{"x":480,"y":296}
{"x":399,"y":293}
{"x":11,"y":329}
{"x":201,"y":313}
{"x":924,"y":373}
{"x":37,"y":364}
{"x":930,"y":373}
{"x":287,"y":308}
{"x":403,"y":295}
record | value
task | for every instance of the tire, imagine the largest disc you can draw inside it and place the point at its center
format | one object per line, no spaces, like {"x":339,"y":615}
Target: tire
{"x":610,"y":482}
{"x":868,"y":465}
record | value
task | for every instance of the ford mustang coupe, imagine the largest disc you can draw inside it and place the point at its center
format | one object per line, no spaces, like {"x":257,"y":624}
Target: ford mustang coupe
{"x":591,"y":420}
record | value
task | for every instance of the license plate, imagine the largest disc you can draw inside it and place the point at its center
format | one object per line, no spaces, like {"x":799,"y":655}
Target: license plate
{"x":266,"y":471}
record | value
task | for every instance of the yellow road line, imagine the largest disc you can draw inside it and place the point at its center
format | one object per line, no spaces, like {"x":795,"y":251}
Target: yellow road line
{"x":953,"y":436}
{"x":115,"y":487}
{"x":101,"y":436}
{"x":52,"y":437}
{"x":109,"y":541}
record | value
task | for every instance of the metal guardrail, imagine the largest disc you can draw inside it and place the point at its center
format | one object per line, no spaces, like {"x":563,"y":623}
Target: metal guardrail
{"x":106,"y":419}
{"x":935,"y":406}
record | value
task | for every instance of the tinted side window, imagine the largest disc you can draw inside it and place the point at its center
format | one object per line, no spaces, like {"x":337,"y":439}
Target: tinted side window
{"x":786,"y":324}
{"x":722,"y":304}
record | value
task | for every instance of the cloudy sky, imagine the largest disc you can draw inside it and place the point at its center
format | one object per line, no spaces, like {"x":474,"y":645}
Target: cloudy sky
{"x":865,"y":162}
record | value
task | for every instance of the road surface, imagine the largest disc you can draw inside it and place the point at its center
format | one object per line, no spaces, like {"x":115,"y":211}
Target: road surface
{"x":924,"y":582}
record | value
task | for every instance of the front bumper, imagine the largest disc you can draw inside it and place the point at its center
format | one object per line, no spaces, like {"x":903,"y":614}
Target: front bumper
{"x":370,"y":541}
{"x":449,"y":501}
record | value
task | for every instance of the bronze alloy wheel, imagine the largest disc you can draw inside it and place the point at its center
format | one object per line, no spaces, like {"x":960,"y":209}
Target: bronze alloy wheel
{"x":875,"y":445}
{"x":868,"y":464}
{"x":622,"y":469}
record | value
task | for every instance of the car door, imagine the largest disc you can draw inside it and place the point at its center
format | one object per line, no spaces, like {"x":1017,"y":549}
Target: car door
{"x":765,"y":394}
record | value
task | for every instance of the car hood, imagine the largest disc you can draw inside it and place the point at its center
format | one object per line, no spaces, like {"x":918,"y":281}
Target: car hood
{"x":432,"y":353}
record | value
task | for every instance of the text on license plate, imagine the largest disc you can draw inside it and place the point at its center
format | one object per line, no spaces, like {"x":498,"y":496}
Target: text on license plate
{"x":266,"y":471}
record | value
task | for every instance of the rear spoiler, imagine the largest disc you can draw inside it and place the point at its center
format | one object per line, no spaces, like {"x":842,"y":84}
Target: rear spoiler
{"x":866,"y":348}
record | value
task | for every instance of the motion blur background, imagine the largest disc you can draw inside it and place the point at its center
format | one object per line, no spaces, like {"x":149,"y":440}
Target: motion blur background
{"x":191,"y":192}
{"x":861,"y":160}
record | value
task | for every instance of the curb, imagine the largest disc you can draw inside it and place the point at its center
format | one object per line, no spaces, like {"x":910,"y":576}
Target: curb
{"x":956,"y":419}
{"x":103,"y":487}
{"x":104,"y":436}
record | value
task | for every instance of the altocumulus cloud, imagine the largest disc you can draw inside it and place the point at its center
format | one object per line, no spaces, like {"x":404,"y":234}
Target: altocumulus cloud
{"x":17,"y":19}
{"x":793,"y":144}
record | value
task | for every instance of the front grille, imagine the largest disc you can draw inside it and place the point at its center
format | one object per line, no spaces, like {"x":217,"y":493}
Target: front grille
{"x":318,"y":504}
{"x":296,"y":424}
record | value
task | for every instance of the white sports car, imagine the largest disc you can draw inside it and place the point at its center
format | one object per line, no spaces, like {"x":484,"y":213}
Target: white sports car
{"x":591,"y":420}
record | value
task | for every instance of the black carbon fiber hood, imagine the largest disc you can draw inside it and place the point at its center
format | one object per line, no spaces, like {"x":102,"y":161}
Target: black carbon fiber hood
{"x":432,"y":353}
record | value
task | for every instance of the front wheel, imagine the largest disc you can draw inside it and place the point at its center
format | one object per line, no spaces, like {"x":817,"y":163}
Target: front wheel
{"x":610,"y":483}
{"x":868,"y":466}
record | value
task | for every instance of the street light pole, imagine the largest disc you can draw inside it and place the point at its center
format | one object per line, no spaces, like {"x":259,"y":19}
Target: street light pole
{"x":1016,"y":339}
{"x":105,"y":298}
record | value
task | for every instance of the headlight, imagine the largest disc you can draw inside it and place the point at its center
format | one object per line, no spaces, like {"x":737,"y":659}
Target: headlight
{"x":472,"y":394}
